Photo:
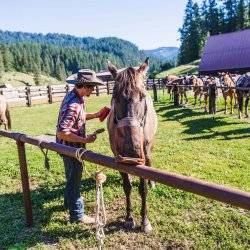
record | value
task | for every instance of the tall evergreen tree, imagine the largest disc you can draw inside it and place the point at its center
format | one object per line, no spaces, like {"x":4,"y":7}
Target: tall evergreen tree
{"x":191,"y":35}
{"x":230,"y":9}
{"x":241,"y":15}
{"x":37,"y":75}
{"x":1,"y":66}
{"x":7,"y":58}
{"x":212,"y":18}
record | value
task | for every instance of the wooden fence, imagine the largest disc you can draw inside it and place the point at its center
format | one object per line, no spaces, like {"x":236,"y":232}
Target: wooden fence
{"x":214,"y":191}
{"x":31,"y":95}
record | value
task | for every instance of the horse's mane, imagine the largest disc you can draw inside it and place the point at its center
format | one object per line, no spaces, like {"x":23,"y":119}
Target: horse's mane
{"x":129,"y":84}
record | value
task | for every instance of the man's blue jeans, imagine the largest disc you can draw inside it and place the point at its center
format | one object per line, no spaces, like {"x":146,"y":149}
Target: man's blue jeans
{"x":72,"y":196}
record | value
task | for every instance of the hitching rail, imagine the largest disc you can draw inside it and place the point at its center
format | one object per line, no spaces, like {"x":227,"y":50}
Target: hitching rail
{"x":210,"y":190}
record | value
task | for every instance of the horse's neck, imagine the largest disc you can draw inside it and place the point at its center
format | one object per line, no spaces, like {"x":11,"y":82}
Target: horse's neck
{"x":228,"y":81}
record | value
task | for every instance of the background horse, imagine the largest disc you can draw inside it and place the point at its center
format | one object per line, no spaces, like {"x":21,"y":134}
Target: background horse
{"x":198,"y":88}
{"x":170,"y":79}
{"x":4,"y":113}
{"x":132,"y":125}
{"x":243,"y":82}
{"x":228,"y":82}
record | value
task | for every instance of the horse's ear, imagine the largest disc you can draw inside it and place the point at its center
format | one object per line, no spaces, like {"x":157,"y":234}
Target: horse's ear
{"x":112,"y":69}
{"x":144,"y":67}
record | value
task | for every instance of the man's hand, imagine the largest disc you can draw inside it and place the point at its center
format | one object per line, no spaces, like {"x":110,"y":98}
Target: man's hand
{"x":90,"y":138}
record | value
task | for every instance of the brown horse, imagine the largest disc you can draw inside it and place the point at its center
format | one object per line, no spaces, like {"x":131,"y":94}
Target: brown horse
{"x":198,"y":88}
{"x":132,"y":124}
{"x":4,"y":113}
{"x":171,"y":80}
{"x":228,"y":92}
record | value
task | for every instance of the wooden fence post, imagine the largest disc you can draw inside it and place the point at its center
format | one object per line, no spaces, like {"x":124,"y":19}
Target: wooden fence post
{"x":28,"y":97}
{"x":50,"y":98}
{"x":108,"y":90}
{"x":155,"y":90}
{"x":25,"y":182}
{"x":212,"y":98}
{"x":97,"y":90}
{"x":176,"y":96}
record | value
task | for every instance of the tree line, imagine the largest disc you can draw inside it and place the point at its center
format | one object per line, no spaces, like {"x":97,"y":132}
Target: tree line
{"x":210,"y":18}
{"x":60,"y":55}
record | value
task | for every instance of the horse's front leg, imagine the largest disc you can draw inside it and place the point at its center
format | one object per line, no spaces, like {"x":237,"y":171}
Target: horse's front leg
{"x":200,"y":97}
{"x":246,"y":107}
{"x":127,"y":187}
{"x":205,"y":101}
{"x":240,"y":104}
{"x":225,"y":99}
{"x":185,"y":95}
{"x":150,"y":182}
{"x":145,"y":223}
{"x":231,"y":104}
{"x":195,"y":98}
{"x":181,"y":97}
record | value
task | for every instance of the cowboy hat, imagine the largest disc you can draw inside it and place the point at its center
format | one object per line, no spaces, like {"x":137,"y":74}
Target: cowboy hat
{"x":85,"y":77}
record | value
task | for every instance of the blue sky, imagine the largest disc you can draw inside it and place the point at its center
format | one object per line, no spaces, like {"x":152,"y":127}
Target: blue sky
{"x":148,"y":24}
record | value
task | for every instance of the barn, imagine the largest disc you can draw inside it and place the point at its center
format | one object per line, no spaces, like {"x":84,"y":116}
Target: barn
{"x":226,"y":52}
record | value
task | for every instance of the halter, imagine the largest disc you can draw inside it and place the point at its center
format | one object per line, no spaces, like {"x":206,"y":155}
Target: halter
{"x":129,"y":121}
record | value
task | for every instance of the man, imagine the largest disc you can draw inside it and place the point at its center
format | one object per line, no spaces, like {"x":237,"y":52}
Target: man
{"x":71,"y":132}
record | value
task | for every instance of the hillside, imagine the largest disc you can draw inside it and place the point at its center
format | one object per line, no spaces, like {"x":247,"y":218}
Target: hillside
{"x":17,"y":79}
{"x":165,"y":53}
{"x":191,"y":68}
{"x":59,"y":55}
{"x":118,"y":47}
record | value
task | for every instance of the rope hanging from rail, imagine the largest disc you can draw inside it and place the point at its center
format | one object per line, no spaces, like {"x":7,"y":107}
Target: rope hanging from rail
{"x":45,"y":153}
{"x":100,"y":210}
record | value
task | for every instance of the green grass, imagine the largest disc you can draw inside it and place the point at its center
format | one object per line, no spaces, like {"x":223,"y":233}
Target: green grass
{"x":191,"y":68}
{"x":209,"y":147}
{"x":21,"y":79}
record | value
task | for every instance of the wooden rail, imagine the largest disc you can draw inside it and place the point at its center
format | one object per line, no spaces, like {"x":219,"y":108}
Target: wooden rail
{"x":210,"y":190}
{"x":30,"y":95}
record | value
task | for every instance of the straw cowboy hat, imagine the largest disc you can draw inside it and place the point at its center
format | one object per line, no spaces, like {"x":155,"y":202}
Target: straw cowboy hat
{"x":85,"y":77}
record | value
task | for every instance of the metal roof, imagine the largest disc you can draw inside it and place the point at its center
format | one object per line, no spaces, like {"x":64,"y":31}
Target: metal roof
{"x":226,"y":52}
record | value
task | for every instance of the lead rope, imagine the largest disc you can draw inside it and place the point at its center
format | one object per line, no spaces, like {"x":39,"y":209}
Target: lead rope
{"x":100,"y":211}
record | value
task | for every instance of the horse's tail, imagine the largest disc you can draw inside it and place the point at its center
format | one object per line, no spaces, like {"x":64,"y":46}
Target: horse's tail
{"x":7,"y":113}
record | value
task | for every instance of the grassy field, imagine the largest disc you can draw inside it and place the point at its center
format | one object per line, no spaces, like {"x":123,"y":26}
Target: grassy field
{"x":209,"y":147}
{"x":21,"y":79}
{"x":191,"y":68}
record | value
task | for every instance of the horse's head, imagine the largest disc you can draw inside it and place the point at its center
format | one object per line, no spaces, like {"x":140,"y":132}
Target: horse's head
{"x":129,"y":103}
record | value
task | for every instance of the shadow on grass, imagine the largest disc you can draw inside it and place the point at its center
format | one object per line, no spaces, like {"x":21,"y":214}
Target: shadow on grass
{"x":47,"y":230}
{"x":201,"y":127}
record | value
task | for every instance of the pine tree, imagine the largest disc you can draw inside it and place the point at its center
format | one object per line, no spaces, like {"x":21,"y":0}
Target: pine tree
{"x":191,"y":35}
{"x":248,"y":15}
{"x":60,"y":72}
{"x":7,"y":58}
{"x":230,"y":9}
{"x":212,"y":18}
{"x":37,"y":75}
{"x":1,"y":66}
{"x":241,"y":15}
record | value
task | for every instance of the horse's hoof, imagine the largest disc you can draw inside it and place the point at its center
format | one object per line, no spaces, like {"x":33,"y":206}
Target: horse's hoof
{"x":151,"y":184}
{"x":129,"y":223}
{"x":146,"y":228}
